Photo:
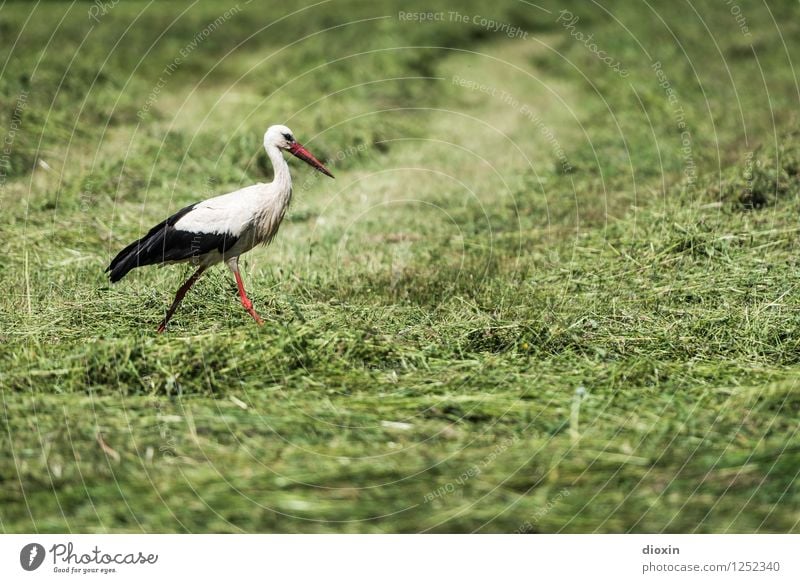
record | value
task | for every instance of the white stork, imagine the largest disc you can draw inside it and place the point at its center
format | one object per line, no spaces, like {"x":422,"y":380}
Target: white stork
{"x":220,"y":228}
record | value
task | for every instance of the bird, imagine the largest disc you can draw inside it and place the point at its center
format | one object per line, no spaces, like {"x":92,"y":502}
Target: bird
{"x":221,"y":228}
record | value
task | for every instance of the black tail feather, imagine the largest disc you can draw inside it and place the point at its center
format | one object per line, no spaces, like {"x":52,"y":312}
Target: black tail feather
{"x":145,"y":251}
{"x":149,"y":250}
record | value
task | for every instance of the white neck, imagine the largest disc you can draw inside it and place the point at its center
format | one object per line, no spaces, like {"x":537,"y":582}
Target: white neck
{"x":279,"y":193}
{"x":283,"y":180}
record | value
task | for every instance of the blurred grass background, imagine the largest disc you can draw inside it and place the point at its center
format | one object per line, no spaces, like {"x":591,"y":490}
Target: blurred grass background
{"x":543,"y":294}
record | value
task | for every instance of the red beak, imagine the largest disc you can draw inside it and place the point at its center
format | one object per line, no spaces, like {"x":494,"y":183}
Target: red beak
{"x":298,"y":150}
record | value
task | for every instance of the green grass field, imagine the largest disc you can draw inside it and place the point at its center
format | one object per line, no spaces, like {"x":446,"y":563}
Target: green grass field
{"x":553,"y":288}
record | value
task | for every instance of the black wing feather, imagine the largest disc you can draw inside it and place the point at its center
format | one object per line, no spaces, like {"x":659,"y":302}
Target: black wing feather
{"x":164,"y":243}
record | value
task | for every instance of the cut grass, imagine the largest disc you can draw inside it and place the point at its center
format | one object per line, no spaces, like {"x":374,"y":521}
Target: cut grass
{"x":433,"y":313}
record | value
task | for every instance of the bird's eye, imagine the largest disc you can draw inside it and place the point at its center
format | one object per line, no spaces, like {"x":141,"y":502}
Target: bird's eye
{"x":288,"y":137}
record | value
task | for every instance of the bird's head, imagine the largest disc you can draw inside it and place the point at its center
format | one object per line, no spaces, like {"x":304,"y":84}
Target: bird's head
{"x":280,"y":136}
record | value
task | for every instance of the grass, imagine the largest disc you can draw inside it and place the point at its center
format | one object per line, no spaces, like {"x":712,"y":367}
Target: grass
{"x":528,"y":302}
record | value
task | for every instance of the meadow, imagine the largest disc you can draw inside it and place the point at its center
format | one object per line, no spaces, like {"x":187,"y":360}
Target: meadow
{"x":553,"y":288}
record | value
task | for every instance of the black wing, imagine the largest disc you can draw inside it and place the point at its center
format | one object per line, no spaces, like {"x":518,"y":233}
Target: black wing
{"x":165,"y":243}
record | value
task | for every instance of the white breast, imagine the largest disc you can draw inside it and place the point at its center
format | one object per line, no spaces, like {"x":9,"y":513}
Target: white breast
{"x":253,"y":214}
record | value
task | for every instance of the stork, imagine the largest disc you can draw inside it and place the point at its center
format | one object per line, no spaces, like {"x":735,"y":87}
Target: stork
{"x":220,"y":229}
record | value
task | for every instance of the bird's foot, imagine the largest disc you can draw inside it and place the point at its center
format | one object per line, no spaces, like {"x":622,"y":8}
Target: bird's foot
{"x":248,"y":305}
{"x":256,"y":317}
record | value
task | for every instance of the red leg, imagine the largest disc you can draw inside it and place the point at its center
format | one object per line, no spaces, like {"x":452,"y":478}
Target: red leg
{"x":178,"y":297}
{"x":248,"y":305}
